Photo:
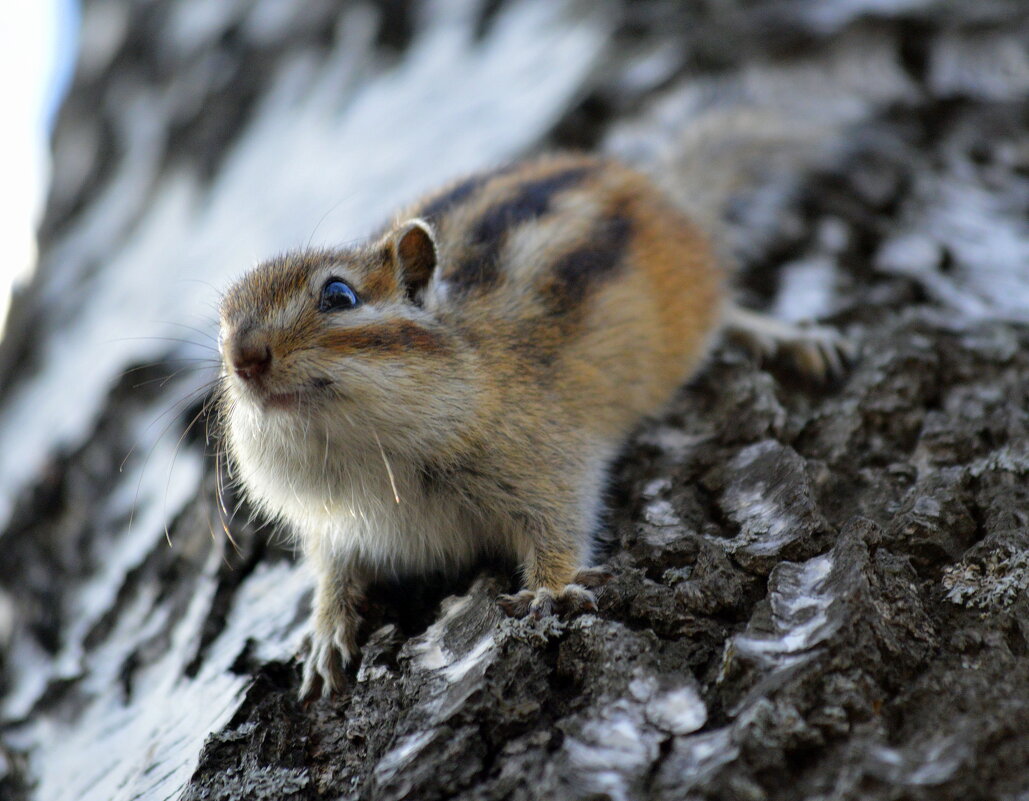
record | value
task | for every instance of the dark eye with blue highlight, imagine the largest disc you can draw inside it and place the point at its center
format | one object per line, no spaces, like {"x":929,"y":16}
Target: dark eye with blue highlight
{"x":337,"y":296}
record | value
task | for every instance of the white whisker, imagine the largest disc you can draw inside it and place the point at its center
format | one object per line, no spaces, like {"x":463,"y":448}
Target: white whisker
{"x":389,"y":470}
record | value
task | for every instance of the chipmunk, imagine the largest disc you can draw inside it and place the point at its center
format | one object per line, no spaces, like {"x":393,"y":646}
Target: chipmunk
{"x":460,"y":384}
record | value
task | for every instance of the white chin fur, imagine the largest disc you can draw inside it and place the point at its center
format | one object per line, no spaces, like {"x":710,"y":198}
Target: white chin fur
{"x":328,"y":480}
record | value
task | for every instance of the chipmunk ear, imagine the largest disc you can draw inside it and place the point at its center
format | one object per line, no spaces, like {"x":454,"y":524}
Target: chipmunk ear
{"x":414,"y":248}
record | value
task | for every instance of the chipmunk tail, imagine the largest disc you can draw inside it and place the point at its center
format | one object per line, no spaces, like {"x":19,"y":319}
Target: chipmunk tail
{"x":733,"y":150}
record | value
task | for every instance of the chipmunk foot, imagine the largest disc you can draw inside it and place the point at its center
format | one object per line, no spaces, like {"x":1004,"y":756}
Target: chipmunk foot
{"x":575,"y":598}
{"x":326,"y":655}
{"x":819,"y":352}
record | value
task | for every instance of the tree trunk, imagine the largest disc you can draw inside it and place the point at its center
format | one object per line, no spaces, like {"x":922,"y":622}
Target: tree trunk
{"x":818,"y":592}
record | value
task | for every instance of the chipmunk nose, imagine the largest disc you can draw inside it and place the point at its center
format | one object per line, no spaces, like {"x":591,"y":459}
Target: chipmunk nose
{"x":250,"y":360}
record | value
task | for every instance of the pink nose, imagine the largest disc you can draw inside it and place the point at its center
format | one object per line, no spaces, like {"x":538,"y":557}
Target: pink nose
{"x":251,"y":361}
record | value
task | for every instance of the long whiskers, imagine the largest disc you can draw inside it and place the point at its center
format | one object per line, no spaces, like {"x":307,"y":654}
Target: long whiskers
{"x":206,"y":334}
{"x":162,"y":381}
{"x":204,"y":410}
{"x":176,"y":340}
{"x":196,"y":363}
{"x":213,"y":406}
{"x":224,"y":518}
{"x":180,"y":404}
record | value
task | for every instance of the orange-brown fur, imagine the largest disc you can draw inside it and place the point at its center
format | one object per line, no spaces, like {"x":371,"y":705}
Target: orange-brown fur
{"x":514,"y":328}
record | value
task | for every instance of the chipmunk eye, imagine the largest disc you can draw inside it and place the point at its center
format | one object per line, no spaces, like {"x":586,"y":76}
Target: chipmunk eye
{"x":337,"y":296}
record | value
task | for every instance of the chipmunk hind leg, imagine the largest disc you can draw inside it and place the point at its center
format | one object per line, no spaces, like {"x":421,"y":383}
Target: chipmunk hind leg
{"x":818,"y":352}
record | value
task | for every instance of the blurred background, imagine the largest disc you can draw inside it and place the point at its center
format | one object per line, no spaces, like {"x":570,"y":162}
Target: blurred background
{"x":38,"y":43}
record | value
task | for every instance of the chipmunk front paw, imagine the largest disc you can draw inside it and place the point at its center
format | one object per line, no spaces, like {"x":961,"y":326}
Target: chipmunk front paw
{"x":326,"y":655}
{"x":573,"y":599}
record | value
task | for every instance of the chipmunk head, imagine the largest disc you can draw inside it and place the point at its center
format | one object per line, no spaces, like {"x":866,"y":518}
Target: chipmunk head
{"x":328,"y":351}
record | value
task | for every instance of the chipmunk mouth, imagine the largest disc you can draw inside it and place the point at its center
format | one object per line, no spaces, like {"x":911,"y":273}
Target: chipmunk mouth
{"x":284,"y":401}
{"x":302,"y":396}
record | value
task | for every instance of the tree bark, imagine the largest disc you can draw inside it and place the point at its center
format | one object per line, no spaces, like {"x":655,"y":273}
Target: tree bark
{"x":817,"y":592}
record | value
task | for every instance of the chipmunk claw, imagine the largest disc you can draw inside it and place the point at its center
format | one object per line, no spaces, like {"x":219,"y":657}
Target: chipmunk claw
{"x":818,"y":352}
{"x":516,"y":604}
{"x":573,"y":599}
{"x":542,"y":605}
{"x":325,"y":660}
{"x":576,"y":599}
{"x":821,"y":353}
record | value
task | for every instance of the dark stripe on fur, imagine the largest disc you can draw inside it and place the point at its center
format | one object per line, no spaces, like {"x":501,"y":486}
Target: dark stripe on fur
{"x":598,"y":259}
{"x":388,"y":338}
{"x":454,"y":196}
{"x":530,"y":201}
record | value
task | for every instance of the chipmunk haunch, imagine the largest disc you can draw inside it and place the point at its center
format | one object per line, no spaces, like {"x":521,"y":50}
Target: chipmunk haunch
{"x":460,"y":384}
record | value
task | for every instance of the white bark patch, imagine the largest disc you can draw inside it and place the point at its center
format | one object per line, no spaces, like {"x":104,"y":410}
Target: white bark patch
{"x":406,"y":750}
{"x":661,"y":513}
{"x":607,"y":755}
{"x":679,"y":711}
{"x":800,"y":601}
{"x":475,"y":657}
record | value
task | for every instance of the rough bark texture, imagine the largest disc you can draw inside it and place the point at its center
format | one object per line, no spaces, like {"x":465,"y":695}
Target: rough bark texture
{"x":818,"y":592}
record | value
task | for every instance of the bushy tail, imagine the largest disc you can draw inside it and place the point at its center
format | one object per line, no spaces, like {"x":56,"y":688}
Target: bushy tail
{"x":732,"y":151}
{"x":713,"y":141}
